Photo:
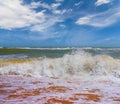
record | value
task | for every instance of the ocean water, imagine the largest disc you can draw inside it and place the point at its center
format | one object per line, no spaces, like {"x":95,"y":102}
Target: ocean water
{"x":59,"y":75}
{"x":60,"y":62}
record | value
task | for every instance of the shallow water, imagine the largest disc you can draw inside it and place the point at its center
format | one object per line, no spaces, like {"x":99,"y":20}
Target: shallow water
{"x":61,"y":76}
{"x":44,"y":90}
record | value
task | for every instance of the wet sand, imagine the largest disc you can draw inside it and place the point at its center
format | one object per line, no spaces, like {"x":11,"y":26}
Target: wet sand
{"x":45,"y":90}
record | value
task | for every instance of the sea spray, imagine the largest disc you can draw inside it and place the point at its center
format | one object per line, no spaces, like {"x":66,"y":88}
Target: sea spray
{"x":77,"y":64}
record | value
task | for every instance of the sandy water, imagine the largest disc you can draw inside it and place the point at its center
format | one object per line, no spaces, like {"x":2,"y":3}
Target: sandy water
{"x":67,"y":76}
{"x":45,"y":90}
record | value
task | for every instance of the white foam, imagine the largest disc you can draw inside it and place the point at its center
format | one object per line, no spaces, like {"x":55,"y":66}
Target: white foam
{"x":76,"y":65}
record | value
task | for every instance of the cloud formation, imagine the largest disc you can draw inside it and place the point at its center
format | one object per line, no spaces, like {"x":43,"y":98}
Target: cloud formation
{"x":101,"y":2}
{"x":103,"y":19}
{"x":15,"y":14}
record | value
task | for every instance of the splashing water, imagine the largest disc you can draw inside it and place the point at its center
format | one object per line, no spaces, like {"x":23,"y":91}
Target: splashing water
{"x":83,"y":76}
{"x":77,"y":64}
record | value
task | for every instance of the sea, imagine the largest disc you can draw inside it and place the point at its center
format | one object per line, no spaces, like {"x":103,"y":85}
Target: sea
{"x":60,"y":75}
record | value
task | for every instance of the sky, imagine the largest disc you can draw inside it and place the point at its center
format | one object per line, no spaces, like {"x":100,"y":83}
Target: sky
{"x":59,"y":23}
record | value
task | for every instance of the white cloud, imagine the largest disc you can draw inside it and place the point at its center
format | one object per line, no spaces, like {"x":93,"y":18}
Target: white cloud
{"x":34,"y":4}
{"x":45,"y":5}
{"x":55,"y":5}
{"x":59,"y":11}
{"x":101,"y":2}
{"x":78,"y":3}
{"x":14,"y":14}
{"x":48,"y":23}
{"x":103,"y":19}
{"x":39,"y":4}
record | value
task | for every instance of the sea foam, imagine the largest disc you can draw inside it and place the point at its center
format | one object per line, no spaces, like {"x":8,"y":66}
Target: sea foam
{"x":77,"y":64}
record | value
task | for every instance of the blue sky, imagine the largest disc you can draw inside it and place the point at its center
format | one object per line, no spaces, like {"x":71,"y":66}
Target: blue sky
{"x":59,"y":23}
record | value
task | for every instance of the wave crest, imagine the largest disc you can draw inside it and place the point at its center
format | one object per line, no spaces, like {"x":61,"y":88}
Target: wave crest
{"x":77,"y":64}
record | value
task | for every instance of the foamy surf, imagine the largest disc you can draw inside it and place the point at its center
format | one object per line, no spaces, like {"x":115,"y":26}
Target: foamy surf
{"x":80,"y":77}
{"x":45,"y":90}
{"x":77,"y":64}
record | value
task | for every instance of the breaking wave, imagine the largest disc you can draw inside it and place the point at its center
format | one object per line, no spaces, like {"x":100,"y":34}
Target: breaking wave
{"x":77,"y":64}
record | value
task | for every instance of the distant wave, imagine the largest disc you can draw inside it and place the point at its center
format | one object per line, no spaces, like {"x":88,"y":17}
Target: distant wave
{"x":67,"y":48}
{"x":60,"y":48}
{"x":77,"y":64}
{"x":13,"y":56}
